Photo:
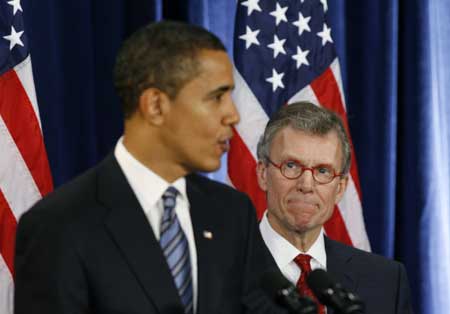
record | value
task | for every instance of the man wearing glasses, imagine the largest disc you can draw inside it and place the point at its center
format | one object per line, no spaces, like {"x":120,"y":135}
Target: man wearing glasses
{"x":304,"y":159}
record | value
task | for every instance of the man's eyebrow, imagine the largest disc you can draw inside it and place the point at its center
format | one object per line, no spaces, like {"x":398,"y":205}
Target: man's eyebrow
{"x":303,"y":163}
{"x":220,"y":90}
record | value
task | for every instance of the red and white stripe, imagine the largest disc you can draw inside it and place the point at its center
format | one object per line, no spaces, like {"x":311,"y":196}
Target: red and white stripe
{"x":347,"y":223}
{"x":24,"y":170}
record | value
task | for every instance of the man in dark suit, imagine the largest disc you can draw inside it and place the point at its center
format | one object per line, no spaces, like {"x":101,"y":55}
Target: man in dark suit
{"x":140,"y":233}
{"x":304,"y":159}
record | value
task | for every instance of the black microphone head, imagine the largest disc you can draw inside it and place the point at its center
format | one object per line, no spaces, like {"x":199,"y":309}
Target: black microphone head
{"x":319,"y":280}
{"x":285,"y":294}
{"x":273,"y":282}
{"x":332,"y":294}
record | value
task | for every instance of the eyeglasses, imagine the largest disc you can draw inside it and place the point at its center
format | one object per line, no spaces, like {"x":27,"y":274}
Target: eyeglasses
{"x":293,"y":169}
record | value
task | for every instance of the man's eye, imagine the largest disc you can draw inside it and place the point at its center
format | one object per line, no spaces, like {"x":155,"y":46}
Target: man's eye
{"x":291,"y":164}
{"x":324,"y":170}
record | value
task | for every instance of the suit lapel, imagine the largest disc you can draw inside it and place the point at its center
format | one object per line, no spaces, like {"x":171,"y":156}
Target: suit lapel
{"x":134,"y":237}
{"x":338,"y":264}
{"x":205,"y":226}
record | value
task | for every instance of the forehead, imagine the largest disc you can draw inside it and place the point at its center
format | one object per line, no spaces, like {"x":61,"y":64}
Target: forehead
{"x":310,"y":149}
{"x":214,"y":63}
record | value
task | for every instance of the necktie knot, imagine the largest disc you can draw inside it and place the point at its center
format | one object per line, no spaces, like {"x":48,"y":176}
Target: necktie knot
{"x":169,"y":197}
{"x":303,"y":261}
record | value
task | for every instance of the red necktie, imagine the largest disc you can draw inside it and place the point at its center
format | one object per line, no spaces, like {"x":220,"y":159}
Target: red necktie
{"x":303,"y":261}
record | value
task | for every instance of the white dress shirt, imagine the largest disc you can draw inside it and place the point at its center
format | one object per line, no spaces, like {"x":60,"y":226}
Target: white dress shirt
{"x":149,"y":188}
{"x":284,"y":252}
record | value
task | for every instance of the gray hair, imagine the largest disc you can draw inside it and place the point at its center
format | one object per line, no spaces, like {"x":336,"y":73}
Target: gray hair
{"x":307,"y":117}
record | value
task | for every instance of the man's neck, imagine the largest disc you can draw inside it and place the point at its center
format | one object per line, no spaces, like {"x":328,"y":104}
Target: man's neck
{"x":152,"y":156}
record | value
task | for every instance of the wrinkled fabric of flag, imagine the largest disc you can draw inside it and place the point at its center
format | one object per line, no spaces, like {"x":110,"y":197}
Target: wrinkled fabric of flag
{"x":284,"y":52}
{"x":24,"y":170}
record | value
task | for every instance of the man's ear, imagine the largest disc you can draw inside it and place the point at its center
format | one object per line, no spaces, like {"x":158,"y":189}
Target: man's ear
{"x":261,"y":174}
{"x":342,"y":186}
{"x":153,"y":103}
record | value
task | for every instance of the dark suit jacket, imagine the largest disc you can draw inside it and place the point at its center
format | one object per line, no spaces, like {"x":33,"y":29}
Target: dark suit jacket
{"x":88,"y":248}
{"x":381,"y":283}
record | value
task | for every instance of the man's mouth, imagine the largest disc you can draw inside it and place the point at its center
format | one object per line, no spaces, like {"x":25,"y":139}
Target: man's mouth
{"x":302,"y":204}
{"x":224,"y":145}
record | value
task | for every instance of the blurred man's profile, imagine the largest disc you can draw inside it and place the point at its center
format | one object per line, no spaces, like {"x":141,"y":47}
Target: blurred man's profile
{"x":141,"y":232}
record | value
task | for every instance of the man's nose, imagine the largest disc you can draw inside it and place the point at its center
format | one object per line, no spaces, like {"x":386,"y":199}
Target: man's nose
{"x":232,"y":115}
{"x":305,"y":182}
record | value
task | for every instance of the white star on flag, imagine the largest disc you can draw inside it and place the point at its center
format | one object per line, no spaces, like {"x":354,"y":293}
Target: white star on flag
{"x":16,"y":6}
{"x":325,"y":34}
{"x":279,"y":14}
{"x":276,"y":80}
{"x":276,"y":73}
{"x":300,"y":57}
{"x":252,"y":5}
{"x":14,"y":38}
{"x":325,"y":5}
{"x":277,"y":46}
{"x":250,"y":37}
{"x":302,"y":23}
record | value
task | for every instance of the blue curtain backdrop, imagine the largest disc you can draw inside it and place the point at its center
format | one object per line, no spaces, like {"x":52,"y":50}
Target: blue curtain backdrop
{"x":394,"y":57}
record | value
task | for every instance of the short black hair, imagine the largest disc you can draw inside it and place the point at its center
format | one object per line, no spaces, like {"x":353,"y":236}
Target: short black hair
{"x":161,"y":55}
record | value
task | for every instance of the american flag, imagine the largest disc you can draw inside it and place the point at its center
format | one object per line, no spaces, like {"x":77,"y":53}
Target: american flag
{"x":24,"y":170}
{"x":284,"y":52}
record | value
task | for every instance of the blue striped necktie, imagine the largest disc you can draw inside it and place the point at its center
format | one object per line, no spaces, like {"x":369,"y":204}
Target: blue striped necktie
{"x":174,"y":244}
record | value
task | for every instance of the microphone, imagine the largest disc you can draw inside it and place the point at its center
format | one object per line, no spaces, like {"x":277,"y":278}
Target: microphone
{"x":332,"y":294}
{"x":285,"y":294}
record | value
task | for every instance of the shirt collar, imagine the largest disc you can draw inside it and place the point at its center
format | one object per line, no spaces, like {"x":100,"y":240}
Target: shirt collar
{"x":143,"y":179}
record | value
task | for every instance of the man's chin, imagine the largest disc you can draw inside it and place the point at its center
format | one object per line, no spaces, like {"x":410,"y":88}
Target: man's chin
{"x":307,"y":228}
{"x":208,"y":166}
{"x":304,"y":223}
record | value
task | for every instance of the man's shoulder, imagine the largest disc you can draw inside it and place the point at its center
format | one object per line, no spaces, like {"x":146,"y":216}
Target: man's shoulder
{"x":381,"y":282}
{"x":224,"y":200}
{"x":76,"y":197}
{"x":212,"y":188}
{"x":358,"y":257}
